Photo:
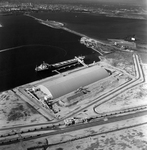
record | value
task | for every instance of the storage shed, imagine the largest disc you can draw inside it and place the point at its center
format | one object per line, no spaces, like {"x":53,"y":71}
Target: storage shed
{"x":73,"y":81}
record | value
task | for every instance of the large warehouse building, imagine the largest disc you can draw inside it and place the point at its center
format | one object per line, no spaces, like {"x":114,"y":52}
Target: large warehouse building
{"x":66,"y":84}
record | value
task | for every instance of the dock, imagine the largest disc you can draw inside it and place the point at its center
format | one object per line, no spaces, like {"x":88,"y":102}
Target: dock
{"x":81,"y":61}
{"x":61,"y":65}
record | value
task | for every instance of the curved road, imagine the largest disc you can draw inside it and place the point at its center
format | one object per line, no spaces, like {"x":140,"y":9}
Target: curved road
{"x":134,"y":82}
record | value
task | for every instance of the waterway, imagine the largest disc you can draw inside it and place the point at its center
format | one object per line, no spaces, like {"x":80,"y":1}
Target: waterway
{"x":25,"y":43}
{"x":99,"y":26}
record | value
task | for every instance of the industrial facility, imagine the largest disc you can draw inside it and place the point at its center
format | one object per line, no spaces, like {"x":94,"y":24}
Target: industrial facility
{"x":52,"y":89}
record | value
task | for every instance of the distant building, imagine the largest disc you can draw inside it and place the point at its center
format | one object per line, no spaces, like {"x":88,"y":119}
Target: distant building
{"x":124,"y":44}
{"x":131,"y":38}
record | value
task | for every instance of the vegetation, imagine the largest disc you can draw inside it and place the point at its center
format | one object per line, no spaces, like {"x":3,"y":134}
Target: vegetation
{"x":17,"y":113}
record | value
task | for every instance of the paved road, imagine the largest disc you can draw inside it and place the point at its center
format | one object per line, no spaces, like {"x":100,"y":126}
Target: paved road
{"x":105,"y":97}
{"x":85,"y":125}
{"x":133,"y":83}
{"x":139,"y":75}
{"x":100,"y":122}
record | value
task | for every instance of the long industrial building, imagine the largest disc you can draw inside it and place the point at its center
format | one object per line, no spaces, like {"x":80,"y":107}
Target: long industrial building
{"x":66,"y":84}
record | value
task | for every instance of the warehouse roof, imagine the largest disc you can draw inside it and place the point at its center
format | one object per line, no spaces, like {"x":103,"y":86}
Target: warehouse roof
{"x":73,"y":81}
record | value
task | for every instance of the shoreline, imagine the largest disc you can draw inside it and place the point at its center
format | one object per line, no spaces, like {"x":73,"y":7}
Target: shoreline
{"x":66,"y":29}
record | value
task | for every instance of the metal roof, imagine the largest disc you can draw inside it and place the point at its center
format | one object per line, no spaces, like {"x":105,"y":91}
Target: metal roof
{"x":73,"y":81}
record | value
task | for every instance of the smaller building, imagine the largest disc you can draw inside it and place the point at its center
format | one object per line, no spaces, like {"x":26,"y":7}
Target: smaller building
{"x":71,"y":100}
{"x":41,"y":92}
{"x":125,"y":44}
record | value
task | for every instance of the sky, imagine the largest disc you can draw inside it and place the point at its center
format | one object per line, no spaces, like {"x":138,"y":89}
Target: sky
{"x":107,"y":1}
{"x":84,"y":1}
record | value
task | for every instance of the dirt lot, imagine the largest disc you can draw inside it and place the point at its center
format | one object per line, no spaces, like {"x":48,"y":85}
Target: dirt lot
{"x":14,"y":111}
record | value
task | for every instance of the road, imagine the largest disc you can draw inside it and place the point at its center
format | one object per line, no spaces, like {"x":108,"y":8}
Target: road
{"x":133,"y":83}
{"x":105,"y":97}
{"x":121,"y":88}
{"x":82,"y":126}
{"x":100,"y":99}
{"x":128,"y":85}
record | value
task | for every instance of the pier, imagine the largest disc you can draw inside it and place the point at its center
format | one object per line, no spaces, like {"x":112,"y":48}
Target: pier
{"x":61,"y":65}
{"x":81,"y":61}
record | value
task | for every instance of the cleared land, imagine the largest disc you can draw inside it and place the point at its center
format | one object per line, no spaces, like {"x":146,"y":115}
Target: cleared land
{"x":129,"y":130}
{"x":134,"y":97}
{"x":14,"y":111}
{"x":129,"y":139}
{"x":121,"y":60}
